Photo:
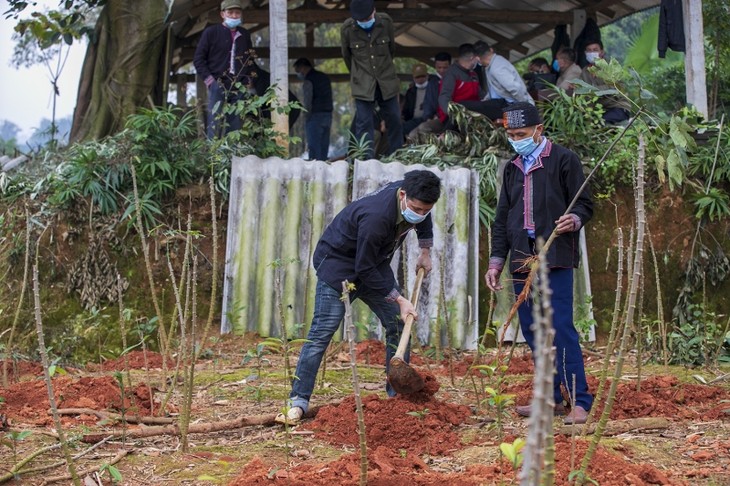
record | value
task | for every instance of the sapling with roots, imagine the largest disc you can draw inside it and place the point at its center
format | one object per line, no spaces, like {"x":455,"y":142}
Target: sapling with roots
{"x":350,"y":330}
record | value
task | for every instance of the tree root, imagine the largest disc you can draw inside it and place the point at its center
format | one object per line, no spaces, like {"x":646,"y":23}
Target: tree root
{"x":132,"y":419}
{"x":616,"y":427}
{"x":173,"y":429}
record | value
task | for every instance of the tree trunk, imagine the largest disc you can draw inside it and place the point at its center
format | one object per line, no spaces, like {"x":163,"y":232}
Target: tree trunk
{"x":121,"y":68}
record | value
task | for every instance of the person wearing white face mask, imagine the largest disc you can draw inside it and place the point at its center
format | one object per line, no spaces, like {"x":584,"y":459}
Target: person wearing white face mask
{"x":538,"y":186}
{"x":358,"y":246}
{"x":616,"y":109}
{"x":412,"y":111}
{"x":224,"y":60}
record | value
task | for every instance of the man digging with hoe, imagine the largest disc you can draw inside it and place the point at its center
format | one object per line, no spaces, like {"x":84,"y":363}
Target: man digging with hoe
{"x":358,"y":246}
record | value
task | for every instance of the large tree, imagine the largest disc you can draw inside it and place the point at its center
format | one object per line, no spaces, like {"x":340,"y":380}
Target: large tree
{"x":123,"y":64}
{"x":121,"y":69}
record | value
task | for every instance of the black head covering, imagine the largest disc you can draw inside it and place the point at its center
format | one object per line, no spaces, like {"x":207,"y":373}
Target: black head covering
{"x":362,"y":9}
{"x":520,"y":114}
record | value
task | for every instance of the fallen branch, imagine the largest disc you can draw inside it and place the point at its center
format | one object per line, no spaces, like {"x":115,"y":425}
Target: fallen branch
{"x":132,"y":419}
{"x":616,"y":427}
{"x":266,"y":419}
{"x":14,"y":470}
{"x":120,"y":454}
{"x":46,"y":467}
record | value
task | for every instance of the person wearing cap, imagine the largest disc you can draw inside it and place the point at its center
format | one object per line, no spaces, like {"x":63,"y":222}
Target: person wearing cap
{"x":317,"y":102}
{"x":368,"y":44}
{"x":224,"y":60}
{"x":503,"y":83}
{"x":414,"y":98}
{"x":538,"y":185}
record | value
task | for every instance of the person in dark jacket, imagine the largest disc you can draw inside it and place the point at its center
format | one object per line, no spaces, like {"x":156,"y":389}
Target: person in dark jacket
{"x":317,"y":90}
{"x":538,"y":185}
{"x":224,"y":60}
{"x":261,"y":80}
{"x":358,"y":246}
{"x":616,"y":108}
{"x":414,"y":98}
{"x":368,"y":45}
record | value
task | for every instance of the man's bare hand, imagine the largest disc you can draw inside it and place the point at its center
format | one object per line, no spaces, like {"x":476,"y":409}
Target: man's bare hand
{"x":492,"y":279}
{"x":406,"y":308}
{"x":424,"y":261}
{"x":566,"y":224}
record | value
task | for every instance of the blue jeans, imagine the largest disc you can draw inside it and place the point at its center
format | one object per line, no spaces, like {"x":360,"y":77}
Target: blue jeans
{"x":317,"y":130}
{"x":365,"y":119}
{"x":328,"y":313}
{"x":568,"y":356}
{"x":220,"y":123}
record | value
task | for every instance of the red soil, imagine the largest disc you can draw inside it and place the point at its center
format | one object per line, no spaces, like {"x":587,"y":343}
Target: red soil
{"x":416,"y":423}
{"x":28,"y":402}
{"x":22,"y":370}
{"x":387,"y":466}
{"x":372,"y":351}
{"x":136,"y":360}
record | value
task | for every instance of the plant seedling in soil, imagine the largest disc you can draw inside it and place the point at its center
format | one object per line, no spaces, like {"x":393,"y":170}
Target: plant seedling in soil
{"x":499,"y":402}
{"x":114,"y":473}
{"x":257,"y":354}
{"x":420,"y":414}
{"x":15,"y":436}
{"x":513,"y":452}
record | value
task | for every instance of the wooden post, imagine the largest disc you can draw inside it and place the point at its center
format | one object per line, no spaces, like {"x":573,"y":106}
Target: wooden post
{"x":279,"y":64}
{"x":694,"y":59}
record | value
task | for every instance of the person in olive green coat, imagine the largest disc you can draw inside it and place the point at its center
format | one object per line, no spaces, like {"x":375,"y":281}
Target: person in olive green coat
{"x":368,"y":44}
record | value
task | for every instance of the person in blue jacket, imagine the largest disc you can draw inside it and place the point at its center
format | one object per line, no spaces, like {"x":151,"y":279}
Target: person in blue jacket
{"x":358,"y":246}
{"x":224,"y":59}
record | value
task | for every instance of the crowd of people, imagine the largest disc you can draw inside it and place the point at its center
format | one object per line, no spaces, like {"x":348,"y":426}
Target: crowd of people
{"x":385,"y":118}
{"x":538,"y":184}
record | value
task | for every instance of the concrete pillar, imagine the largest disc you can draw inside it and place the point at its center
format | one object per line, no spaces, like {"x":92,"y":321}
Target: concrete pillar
{"x":279,"y":64}
{"x":694,"y":60}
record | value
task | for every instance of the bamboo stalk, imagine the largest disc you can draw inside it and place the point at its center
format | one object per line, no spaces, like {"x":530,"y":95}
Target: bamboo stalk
{"x":16,"y":469}
{"x":637,"y":268}
{"x":23,"y":287}
{"x":214,"y":276}
{"x":350,"y":328}
{"x":659,"y":302}
{"x":612,"y":334}
{"x":148,"y":266}
{"x":539,"y":425}
{"x":49,"y":386}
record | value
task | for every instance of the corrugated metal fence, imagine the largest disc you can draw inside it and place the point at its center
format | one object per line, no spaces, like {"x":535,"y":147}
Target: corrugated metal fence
{"x":277,"y":212}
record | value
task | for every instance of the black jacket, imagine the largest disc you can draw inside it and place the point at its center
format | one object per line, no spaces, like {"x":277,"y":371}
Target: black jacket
{"x":553,"y":182}
{"x":212,"y":55}
{"x":321,"y":92}
{"x":671,"y":27}
{"x":360,"y":242}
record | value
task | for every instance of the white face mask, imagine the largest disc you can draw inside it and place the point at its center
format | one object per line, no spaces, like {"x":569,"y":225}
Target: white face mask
{"x":421,"y":85}
{"x":592,"y":57}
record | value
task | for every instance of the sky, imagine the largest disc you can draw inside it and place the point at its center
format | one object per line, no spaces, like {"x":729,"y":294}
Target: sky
{"x":26,"y":93}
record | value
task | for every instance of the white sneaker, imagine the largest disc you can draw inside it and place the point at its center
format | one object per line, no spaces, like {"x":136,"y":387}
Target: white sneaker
{"x":292,"y":417}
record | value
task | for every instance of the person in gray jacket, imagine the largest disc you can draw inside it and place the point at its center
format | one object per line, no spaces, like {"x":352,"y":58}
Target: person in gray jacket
{"x":503,"y":81}
{"x":368,"y":44}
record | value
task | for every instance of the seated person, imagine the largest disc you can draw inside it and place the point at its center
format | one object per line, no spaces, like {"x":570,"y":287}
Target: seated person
{"x":412,"y":109}
{"x":616,"y":108}
{"x":539,"y":77}
{"x":431,"y":123}
{"x":504,"y":83}
{"x":461,"y":85}
{"x":567,"y":68}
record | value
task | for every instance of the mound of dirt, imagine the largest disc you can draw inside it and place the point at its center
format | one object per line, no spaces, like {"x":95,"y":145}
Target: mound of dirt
{"x":659,"y":396}
{"x":28,"y":402}
{"x":387,"y":466}
{"x":136,"y":360}
{"x":22,"y":370}
{"x":416,"y":423}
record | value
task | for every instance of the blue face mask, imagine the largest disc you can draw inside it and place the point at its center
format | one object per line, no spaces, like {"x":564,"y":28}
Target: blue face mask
{"x":301,"y":76}
{"x":232,"y":23}
{"x":411,"y":216}
{"x":556,"y":66}
{"x":525,"y":146}
{"x":367,"y":25}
